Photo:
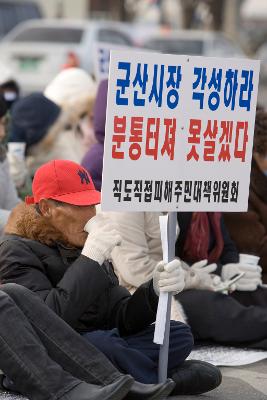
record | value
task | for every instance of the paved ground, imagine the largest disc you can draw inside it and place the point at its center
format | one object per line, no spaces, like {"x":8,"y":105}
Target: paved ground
{"x":239,"y":383}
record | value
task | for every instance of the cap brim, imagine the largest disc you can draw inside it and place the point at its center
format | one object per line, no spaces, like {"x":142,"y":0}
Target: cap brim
{"x":83,"y":198}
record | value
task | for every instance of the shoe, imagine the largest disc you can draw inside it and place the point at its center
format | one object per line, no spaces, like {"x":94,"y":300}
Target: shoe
{"x":195,"y":377}
{"x":87,"y":391}
{"x":140,"y":391}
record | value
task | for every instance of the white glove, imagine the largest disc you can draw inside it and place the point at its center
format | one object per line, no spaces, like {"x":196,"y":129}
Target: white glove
{"x":199,"y":276}
{"x":249,"y":282}
{"x":102,"y":238}
{"x":168,"y":277}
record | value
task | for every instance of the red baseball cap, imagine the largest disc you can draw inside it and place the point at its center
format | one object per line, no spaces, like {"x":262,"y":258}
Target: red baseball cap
{"x":64,"y":181}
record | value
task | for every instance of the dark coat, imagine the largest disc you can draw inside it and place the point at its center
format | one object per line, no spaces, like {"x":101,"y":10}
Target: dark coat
{"x":229,"y":254}
{"x":86,"y":295}
{"x":249,"y":229}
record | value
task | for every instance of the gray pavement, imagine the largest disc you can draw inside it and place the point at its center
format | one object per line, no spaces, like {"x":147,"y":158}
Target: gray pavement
{"x":239,"y":383}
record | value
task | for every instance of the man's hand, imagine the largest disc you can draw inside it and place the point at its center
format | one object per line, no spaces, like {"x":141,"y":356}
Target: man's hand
{"x":249,"y":282}
{"x":199,"y":276}
{"x":168,"y":277}
{"x":102,"y":238}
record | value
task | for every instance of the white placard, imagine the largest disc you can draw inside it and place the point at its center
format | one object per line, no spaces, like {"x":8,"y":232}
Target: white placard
{"x":179,"y":132}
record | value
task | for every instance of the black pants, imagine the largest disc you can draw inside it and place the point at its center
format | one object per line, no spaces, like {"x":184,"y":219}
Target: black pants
{"x":239,"y":319}
{"x":43,"y":356}
{"x":138,"y":355}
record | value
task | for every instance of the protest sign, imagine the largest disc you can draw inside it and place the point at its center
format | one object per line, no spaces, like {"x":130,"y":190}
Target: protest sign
{"x":179,"y":137}
{"x":179,"y":132}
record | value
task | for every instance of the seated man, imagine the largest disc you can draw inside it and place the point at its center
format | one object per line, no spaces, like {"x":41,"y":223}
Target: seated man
{"x":50,"y":360}
{"x":236,"y":319}
{"x":47,"y":250}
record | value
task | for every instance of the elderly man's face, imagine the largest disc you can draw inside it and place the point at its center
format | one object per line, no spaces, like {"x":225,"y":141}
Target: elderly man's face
{"x":69,"y":220}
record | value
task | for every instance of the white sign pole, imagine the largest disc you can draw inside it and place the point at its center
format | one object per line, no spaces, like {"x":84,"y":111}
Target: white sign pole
{"x":164,"y":348}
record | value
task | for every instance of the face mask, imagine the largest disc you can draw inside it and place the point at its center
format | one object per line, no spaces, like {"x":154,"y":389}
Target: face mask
{"x":10,"y":98}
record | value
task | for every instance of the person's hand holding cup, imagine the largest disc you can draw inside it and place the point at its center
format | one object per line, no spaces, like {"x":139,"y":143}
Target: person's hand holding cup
{"x":248,"y":264}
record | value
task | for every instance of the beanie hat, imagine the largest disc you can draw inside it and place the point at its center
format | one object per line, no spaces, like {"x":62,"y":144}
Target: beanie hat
{"x":31,"y":118}
{"x":72,"y":89}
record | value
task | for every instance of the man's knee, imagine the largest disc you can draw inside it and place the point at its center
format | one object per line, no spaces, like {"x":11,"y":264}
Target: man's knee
{"x":14,"y":290}
{"x":181,"y":337}
{"x":3,"y":295}
{"x":107,"y":341}
{"x":9,"y":288}
{"x":5,"y":298}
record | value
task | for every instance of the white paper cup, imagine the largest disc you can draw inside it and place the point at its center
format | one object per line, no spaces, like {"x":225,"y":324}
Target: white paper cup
{"x":17,"y":149}
{"x":248,"y":259}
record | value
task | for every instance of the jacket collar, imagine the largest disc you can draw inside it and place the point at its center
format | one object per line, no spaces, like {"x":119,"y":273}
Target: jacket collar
{"x":24,"y":221}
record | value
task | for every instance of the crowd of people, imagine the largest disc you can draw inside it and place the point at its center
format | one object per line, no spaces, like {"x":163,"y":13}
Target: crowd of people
{"x":82,"y":285}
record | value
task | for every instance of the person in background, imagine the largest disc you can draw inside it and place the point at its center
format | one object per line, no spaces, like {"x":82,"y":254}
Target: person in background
{"x":238,"y":318}
{"x":140,"y":251}
{"x":210,"y":259}
{"x":8,"y":194}
{"x":57,"y":247}
{"x":35,"y":125}
{"x":93,"y":159}
{"x":9,"y":87}
{"x":249,"y":229}
{"x":74,"y":91}
{"x":203,"y":235}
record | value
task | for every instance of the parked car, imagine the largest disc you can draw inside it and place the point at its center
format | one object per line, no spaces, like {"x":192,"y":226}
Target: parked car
{"x":37,"y":50}
{"x":14,"y":12}
{"x":200,"y":43}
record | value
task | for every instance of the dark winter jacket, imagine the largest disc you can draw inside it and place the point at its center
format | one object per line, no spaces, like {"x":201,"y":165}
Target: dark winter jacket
{"x":86,"y":295}
{"x":93,"y":159}
{"x":229,"y":254}
{"x":249,"y":229}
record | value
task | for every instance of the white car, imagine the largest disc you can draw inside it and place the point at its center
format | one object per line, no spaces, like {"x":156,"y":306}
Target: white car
{"x":37,"y":50}
{"x":197,"y":43}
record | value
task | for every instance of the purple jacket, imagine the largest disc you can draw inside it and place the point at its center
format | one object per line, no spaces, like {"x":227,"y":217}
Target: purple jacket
{"x":93,"y":159}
